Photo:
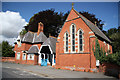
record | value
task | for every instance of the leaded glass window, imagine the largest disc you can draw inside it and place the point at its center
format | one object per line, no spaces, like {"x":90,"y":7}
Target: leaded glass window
{"x":73,"y":38}
{"x":80,"y":40}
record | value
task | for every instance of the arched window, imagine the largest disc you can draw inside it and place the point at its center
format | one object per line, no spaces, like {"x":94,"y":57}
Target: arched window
{"x":80,"y":40}
{"x":73,"y":38}
{"x":66,"y":42}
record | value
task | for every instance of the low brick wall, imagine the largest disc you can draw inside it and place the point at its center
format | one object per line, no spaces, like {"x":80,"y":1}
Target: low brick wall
{"x":76,"y":68}
{"x":110,"y":69}
{"x":8,"y":59}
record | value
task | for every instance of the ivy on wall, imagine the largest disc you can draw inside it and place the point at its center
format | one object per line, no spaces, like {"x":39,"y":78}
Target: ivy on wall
{"x":98,"y":51}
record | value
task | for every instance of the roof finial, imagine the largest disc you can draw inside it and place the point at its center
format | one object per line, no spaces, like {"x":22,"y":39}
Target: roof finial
{"x":72,"y":5}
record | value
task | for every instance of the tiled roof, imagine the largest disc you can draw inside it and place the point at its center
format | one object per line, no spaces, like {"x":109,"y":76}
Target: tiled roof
{"x":94,"y":28}
{"x":40,"y":38}
{"x":52,"y":42}
{"x":33,"y":49}
{"x":28,"y":37}
{"x":33,"y":38}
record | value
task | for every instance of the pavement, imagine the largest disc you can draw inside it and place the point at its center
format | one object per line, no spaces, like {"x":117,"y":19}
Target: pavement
{"x":50,"y":72}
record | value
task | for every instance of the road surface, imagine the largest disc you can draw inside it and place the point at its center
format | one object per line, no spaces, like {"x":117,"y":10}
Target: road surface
{"x":12,"y":70}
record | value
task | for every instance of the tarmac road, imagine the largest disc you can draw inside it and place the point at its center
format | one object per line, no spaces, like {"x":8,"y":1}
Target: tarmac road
{"x":36,"y":72}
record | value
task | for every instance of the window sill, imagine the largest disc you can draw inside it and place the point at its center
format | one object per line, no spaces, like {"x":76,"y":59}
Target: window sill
{"x":77,"y":53}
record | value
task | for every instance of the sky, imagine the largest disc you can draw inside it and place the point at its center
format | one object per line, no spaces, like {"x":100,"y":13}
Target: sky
{"x":17,"y":14}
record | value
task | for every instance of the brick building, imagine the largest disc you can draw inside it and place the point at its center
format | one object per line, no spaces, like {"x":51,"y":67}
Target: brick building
{"x":72,"y":48}
{"x":29,"y":48}
{"x":75,"y":42}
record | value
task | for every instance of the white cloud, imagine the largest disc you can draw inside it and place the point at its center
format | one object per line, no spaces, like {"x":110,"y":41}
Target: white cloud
{"x":10,"y":40}
{"x":12,"y":23}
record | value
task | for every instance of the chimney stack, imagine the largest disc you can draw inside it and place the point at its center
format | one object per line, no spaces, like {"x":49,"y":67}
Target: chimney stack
{"x":40,"y":28}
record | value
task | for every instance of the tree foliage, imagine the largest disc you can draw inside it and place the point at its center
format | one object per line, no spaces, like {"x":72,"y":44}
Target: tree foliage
{"x":53,"y":21}
{"x":23,"y":32}
{"x":98,"y":51}
{"x":7,"y":49}
{"x":111,"y":58}
{"x":114,"y":36}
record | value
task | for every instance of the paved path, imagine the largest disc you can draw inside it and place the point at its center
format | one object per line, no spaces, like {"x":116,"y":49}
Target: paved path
{"x":49,"y":72}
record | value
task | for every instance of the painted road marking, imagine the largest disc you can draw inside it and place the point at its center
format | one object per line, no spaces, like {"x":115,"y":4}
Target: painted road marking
{"x":7,"y":67}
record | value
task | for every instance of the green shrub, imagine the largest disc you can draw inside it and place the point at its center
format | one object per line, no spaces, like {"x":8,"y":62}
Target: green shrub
{"x":111,"y":58}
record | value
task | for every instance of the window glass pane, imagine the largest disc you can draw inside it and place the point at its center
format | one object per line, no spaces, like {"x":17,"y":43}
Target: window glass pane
{"x":18,"y":55}
{"x":73,"y":48}
{"x":73,"y":42}
{"x":30,"y":56}
{"x":24,"y":56}
{"x":80,"y":36}
{"x":80,"y":47}
{"x":80,"y":40}
{"x":73,"y":37}
{"x":80,"y":32}
{"x":66,"y":48}
{"x":66,"y":42}
{"x":73,"y":29}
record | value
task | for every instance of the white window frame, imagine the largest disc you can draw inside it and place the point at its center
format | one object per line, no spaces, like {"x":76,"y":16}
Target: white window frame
{"x":23,"y":56}
{"x":17,"y":55}
{"x":28,"y":57}
{"x":65,"y":42}
{"x":79,"y":41}
{"x":71,"y":37}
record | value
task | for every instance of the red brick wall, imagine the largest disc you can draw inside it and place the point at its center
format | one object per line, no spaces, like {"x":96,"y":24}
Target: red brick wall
{"x":30,"y":62}
{"x":8,"y":59}
{"x":33,"y":62}
{"x":25,"y":47}
{"x":35,"y":59}
{"x":21,"y":61}
{"x":80,"y":60}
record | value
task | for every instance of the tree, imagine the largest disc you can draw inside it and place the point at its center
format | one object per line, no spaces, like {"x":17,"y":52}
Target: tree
{"x":114,"y":36}
{"x":98,"y":51}
{"x":53,"y":21}
{"x":7,"y":49}
{"x":23,"y":32}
